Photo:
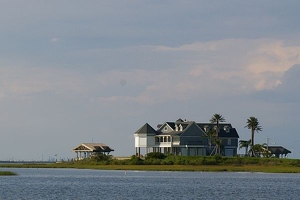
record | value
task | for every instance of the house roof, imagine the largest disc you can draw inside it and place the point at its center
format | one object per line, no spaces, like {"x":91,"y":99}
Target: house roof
{"x":173,"y":125}
{"x":146,"y":129}
{"x":186,"y":125}
{"x":171,"y":133}
{"x":231,"y":133}
{"x":93,"y":147}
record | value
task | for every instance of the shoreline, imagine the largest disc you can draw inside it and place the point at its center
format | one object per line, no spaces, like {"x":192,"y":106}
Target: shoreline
{"x":191,"y":168}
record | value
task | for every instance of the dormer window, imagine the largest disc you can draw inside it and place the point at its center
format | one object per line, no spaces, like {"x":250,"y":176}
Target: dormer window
{"x":180,"y":127}
{"x":206,"y":128}
{"x":176,"y":127}
{"x":227,"y":129}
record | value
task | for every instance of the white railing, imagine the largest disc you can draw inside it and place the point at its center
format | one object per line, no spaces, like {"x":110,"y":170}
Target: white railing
{"x":166,"y":144}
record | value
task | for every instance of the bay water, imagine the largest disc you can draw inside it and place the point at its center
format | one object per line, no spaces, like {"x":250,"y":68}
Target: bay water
{"x":105,"y":184}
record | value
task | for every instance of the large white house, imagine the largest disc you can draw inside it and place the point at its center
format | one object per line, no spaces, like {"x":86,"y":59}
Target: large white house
{"x":187,"y":138}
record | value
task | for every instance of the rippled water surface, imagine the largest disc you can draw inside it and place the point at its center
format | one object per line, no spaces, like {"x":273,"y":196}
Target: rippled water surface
{"x":98,"y":184}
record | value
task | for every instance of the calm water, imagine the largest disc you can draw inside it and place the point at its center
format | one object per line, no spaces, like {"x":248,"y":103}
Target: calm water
{"x":94,"y":184}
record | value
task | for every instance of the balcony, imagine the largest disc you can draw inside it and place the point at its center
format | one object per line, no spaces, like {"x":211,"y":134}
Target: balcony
{"x":167,"y":144}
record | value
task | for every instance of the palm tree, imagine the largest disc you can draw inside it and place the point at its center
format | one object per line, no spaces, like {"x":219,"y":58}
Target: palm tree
{"x":218,"y":143}
{"x":212,"y":139}
{"x":216,"y":119}
{"x":259,"y":150}
{"x":253,"y":124}
{"x":245,"y":144}
{"x":211,"y":135}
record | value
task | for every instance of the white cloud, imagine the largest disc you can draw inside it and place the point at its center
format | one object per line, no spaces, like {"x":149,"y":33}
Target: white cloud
{"x":252,"y":64}
{"x":224,"y":67}
{"x":54,"y":40}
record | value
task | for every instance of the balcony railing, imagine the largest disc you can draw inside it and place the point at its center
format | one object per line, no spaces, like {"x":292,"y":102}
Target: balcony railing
{"x":162,"y":144}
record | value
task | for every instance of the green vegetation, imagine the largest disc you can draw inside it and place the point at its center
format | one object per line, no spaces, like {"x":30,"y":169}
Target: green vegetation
{"x":254,"y":126}
{"x":7,"y":173}
{"x":214,"y":134}
{"x":160,"y":162}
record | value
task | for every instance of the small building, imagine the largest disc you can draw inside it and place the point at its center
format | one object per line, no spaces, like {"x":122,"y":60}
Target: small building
{"x":278,"y":151}
{"x":86,"y":150}
{"x":186,"y":138}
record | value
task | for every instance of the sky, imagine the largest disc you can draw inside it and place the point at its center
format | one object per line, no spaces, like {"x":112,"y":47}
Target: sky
{"x":96,"y":71}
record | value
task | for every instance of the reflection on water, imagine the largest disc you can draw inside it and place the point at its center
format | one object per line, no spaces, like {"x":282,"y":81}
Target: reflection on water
{"x":102,"y":184}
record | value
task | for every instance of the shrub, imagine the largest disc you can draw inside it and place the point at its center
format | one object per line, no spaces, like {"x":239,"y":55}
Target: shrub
{"x":155,"y":155}
{"x":135,"y":160}
{"x":101,"y":157}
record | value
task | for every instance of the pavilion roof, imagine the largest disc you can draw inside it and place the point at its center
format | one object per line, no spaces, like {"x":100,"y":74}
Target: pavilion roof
{"x":93,"y":147}
{"x":278,"y":150}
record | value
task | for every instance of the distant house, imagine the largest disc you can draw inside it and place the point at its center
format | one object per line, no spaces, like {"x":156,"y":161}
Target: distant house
{"x":278,"y":151}
{"x":86,"y":150}
{"x":187,"y":138}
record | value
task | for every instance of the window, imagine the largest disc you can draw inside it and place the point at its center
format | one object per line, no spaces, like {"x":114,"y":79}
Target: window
{"x":227,"y":129}
{"x":229,"y":141}
{"x":156,"y":139}
{"x":206,"y":128}
{"x":176,"y":127}
{"x":180,"y":127}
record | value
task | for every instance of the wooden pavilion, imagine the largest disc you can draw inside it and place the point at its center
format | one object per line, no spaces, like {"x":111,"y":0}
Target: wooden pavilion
{"x":278,"y":151}
{"x":86,"y":150}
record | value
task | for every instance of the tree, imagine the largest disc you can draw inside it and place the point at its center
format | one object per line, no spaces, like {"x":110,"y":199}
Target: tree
{"x":216,"y":119}
{"x":213,"y":139}
{"x":253,"y":124}
{"x":259,"y":150}
{"x":219,"y":146}
{"x":245,"y":144}
{"x":211,"y":135}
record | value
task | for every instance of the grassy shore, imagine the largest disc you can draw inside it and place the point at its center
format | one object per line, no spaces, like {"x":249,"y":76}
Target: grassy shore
{"x":202,"y":168}
{"x":7,"y":173}
{"x":160,"y":162}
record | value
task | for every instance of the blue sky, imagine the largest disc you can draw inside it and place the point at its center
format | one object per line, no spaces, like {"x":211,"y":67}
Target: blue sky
{"x":83,"y":71}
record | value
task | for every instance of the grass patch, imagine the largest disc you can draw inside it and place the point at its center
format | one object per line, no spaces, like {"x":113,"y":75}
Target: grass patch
{"x":203,"y":168}
{"x":178,"y":163}
{"x":7,"y":173}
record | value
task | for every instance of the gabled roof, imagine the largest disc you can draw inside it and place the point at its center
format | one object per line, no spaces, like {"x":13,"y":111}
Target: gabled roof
{"x":171,"y":124}
{"x":171,"y":133}
{"x":179,"y":120}
{"x":278,"y":150}
{"x":93,"y":147}
{"x":146,"y":129}
{"x":232,"y":133}
{"x":160,"y":126}
{"x":185,"y":127}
